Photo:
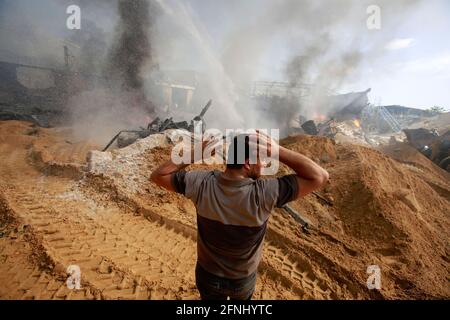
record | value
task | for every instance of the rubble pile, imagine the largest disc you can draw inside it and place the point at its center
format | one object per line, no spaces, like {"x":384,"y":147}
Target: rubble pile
{"x":376,"y":127}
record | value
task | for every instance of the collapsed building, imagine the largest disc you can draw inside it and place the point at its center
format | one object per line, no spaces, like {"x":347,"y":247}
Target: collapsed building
{"x":290,"y":105}
{"x":350,"y":118}
{"x":346,"y":106}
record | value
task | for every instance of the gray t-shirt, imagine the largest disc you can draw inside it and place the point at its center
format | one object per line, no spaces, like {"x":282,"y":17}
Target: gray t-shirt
{"x":232,"y":217}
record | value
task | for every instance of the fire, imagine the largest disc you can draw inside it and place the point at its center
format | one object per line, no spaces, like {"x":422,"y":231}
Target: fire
{"x":319,"y":117}
{"x":357,"y":123}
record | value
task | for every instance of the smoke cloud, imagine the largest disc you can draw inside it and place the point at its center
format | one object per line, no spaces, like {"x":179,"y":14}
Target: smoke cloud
{"x":132,"y":49}
{"x":229,"y":44}
{"x":120,"y":100}
{"x":323,"y":43}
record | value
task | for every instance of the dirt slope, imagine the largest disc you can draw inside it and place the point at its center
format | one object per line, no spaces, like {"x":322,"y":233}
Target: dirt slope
{"x":133,"y":240}
{"x":392,"y":214}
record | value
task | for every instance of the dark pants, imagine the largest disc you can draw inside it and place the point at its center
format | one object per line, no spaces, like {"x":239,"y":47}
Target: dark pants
{"x":212,"y":287}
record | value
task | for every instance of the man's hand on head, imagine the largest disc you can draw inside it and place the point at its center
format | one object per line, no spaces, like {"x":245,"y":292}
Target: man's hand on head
{"x":262,"y":144}
{"x":310,"y":176}
{"x":162,"y":176}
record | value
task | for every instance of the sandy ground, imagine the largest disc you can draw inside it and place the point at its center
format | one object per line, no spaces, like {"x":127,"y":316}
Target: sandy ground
{"x":133,"y":240}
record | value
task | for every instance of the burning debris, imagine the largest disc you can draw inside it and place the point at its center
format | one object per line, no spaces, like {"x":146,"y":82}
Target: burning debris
{"x":158,"y":126}
{"x":310,"y":128}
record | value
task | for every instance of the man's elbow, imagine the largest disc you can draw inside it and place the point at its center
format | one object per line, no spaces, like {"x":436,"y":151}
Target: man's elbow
{"x":155,"y":177}
{"x":322,"y":178}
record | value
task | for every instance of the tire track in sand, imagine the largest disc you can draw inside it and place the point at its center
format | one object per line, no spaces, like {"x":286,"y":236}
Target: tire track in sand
{"x":121,"y":256}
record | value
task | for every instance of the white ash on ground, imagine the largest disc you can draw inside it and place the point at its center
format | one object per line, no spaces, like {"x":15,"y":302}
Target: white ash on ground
{"x":125,"y":166}
{"x":130,"y":168}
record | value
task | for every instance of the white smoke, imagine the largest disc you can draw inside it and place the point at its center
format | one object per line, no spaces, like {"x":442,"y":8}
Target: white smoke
{"x":324,"y":43}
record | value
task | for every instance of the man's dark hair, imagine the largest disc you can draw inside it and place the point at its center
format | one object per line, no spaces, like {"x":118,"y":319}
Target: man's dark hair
{"x":238,"y":152}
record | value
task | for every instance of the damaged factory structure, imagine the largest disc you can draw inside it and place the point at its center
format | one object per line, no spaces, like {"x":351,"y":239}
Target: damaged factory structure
{"x":352,"y":118}
{"x":122,"y":174}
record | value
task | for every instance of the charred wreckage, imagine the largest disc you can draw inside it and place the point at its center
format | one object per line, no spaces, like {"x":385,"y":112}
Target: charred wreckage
{"x":126,"y":137}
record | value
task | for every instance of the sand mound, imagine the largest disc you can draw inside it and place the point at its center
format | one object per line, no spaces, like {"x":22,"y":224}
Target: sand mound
{"x":396,"y":214}
{"x":134,"y":239}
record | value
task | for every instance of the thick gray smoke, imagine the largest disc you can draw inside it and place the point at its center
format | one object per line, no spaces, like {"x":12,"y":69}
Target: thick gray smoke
{"x":326,"y":43}
{"x":120,"y":100}
{"x":91,"y":49}
{"x":28,"y":36}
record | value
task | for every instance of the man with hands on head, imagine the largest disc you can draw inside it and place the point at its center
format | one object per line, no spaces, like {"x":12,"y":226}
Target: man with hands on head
{"x":233,"y":209}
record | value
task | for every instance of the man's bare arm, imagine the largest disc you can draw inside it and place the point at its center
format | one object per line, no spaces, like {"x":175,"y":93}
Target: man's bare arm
{"x":310,"y":176}
{"x":162,"y":176}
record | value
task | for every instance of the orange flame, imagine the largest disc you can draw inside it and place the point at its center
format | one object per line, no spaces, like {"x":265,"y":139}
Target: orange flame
{"x":319,"y":117}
